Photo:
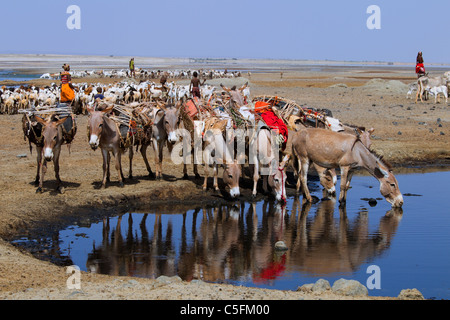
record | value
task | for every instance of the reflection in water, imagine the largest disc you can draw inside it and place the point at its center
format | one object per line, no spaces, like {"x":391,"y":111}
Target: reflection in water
{"x":236,"y":242}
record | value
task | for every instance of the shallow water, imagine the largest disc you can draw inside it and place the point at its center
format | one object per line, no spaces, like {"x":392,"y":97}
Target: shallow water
{"x":235,"y":243}
{"x":12,"y":75}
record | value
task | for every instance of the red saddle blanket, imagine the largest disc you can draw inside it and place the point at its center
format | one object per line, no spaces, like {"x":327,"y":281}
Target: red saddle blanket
{"x":272,"y":120}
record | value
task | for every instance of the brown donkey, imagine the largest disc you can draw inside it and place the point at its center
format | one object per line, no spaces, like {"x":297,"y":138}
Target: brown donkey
{"x":104,"y":134}
{"x":217,"y":151}
{"x":330,"y":149}
{"x":265,"y":162}
{"x":52,"y":140}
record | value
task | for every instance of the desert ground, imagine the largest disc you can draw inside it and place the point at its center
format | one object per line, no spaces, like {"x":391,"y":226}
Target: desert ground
{"x":406,"y":134}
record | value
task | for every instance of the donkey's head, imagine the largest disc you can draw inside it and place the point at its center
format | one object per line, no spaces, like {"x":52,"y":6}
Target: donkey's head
{"x":52,"y":137}
{"x":95,"y":125}
{"x":231,"y":176}
{"x":277,"y":178}
{"x":172,"y":122}
{"x":388,"y":185}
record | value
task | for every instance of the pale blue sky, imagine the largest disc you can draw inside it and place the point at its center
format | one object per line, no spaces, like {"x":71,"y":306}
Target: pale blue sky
{"x":283,"y":29}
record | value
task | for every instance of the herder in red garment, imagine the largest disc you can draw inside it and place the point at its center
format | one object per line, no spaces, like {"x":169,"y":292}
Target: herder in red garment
{"x":420,"y":69}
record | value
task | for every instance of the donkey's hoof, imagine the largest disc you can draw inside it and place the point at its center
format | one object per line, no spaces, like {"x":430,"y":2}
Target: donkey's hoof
{"x":121,"y":184}
{"x":39,"y":190}
{"x":61,"y":189}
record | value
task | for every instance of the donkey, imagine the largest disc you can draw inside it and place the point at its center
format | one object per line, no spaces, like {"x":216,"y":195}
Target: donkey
{"x":330,"y":149}
{"x":328,"y":177}
{"x":50,"y":150}
{"x":216,"y":151}
{"x":104,"y":133}
{"x":262,"y":154}
{"x":165,"y":129}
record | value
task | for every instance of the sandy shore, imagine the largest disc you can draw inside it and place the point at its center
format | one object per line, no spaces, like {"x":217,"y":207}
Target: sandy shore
{"x":372,"y":96}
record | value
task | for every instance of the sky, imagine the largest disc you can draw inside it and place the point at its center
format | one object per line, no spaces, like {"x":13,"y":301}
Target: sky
{"x":277,"y":29}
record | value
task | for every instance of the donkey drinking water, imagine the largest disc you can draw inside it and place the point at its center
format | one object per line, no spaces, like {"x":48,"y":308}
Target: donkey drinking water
{"x":330,"y":149}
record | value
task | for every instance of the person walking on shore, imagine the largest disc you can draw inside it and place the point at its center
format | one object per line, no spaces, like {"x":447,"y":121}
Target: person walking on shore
{"x":131,"y":65}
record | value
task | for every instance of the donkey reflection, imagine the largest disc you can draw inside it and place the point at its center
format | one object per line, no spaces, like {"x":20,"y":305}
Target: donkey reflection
{"x":230,"y":242}
{"x":324,"y":243}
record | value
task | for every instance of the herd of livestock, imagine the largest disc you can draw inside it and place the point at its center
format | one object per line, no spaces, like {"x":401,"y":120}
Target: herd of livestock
{"x":225,"y":126}
{"x":144,"y":87}
{"x":426,"y":85}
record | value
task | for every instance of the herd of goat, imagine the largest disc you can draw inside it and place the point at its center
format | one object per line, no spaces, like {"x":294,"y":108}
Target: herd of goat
{"x":12,"y":99}
{"x":147,"y":87}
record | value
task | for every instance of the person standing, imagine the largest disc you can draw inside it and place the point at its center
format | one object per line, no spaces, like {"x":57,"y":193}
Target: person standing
{"x":131,"y":65}
{"x":420,"y":69}
{"x":194,"y":86}
{"x":67,"y":89}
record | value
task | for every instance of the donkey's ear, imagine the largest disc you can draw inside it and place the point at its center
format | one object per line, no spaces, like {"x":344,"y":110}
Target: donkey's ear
{"x":380,"y":173}
{"x":40,"y":120}
{"x":108,"y":108}
{"x":90,"y":109}
{"x":61,"y":121}
{"x":285,"y":160}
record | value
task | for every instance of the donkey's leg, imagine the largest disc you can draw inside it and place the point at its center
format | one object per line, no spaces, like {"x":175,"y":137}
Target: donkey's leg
{"x":297,"y":169}
{"x":157,"y":164}
{"x":118,"y":157}
{"x":216,"y":185}
{"x":108,"y":173}
{"x":160,"y":159}
{"x":255,"y":177}
{"x":130,"y":157}
{"x":304,"y":179}
{"x":343,"y":186}
{"x":197,"y":175}
{"x":38,"y":171}
{"x":43,"y":167}
{"x":206,"y":175}
{"x":185,"y":175}
{"x":265,"y":188}
{"x":57,"y":152}
{"x":144,"y":155}
{"x":349,"y":179}
{"x":106,"y":158}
